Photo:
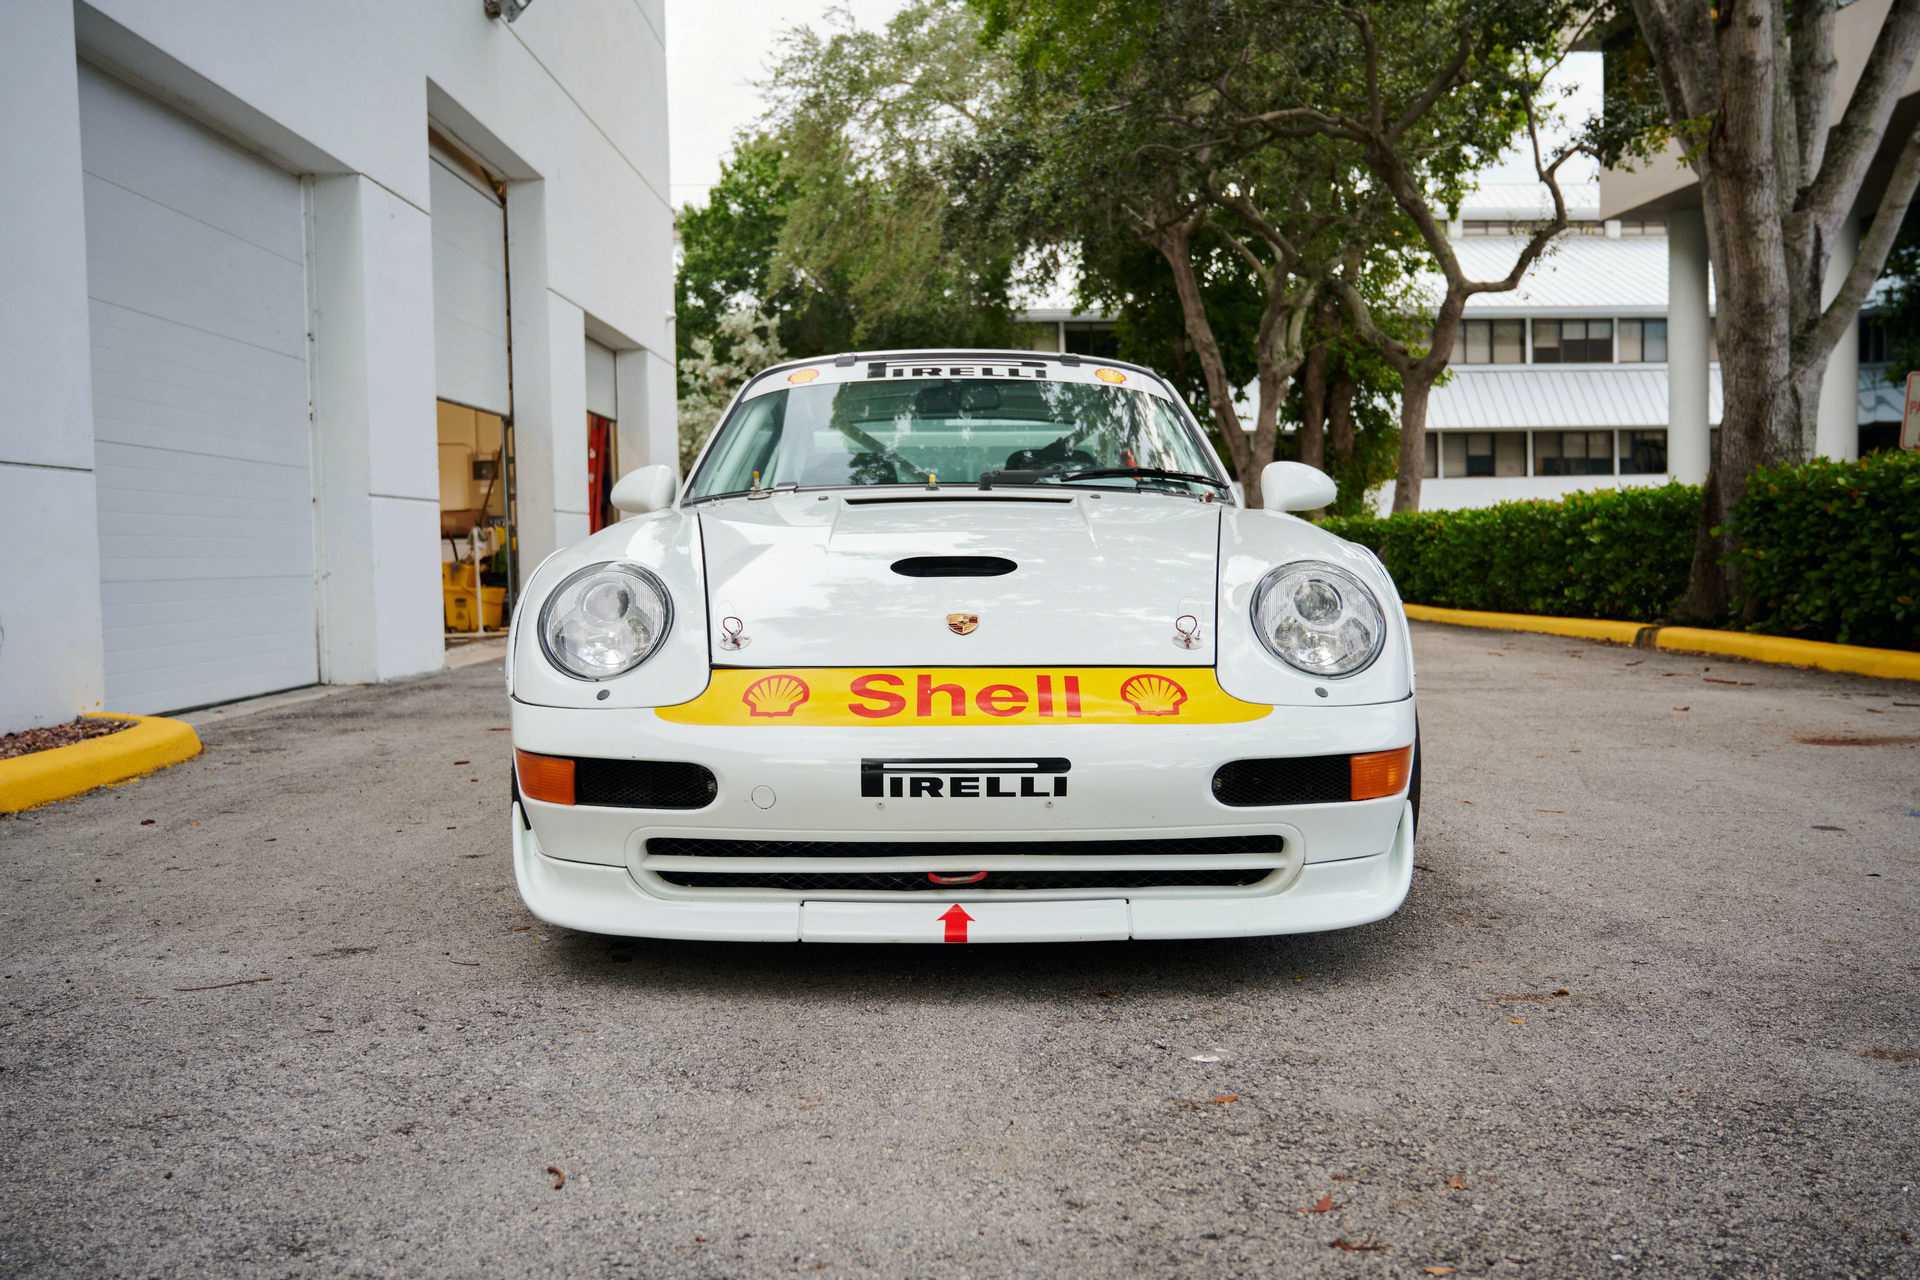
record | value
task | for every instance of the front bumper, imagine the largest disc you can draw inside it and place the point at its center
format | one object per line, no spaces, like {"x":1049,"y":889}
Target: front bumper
{"x":606,"y":899}
{"x":1333,"y":866}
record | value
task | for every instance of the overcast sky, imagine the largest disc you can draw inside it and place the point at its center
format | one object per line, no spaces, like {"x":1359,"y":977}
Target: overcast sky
{"x":715,"y":49}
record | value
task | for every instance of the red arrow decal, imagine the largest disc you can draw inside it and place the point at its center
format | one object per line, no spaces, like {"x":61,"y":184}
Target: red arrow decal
{"x":956,"y":921}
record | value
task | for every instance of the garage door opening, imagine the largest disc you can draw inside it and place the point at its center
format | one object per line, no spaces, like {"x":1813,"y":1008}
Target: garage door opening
{"x":472,"y":377}
{"x":476,"y":543}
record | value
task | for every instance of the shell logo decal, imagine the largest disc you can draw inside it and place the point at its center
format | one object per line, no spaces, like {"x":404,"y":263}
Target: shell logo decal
{"x":1153,"y":695}
{"x":800,"y":377}
{"x":775,"y":695}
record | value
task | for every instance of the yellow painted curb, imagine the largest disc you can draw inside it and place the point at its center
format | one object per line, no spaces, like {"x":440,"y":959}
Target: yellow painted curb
{"x":1889,"y":664}
{"x":1892,"y":664}
{"x":1584,"y":628}
{"x":154,"y":742}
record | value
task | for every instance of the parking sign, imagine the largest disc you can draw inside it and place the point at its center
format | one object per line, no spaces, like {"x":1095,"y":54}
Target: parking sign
{"x":1910,"y":420}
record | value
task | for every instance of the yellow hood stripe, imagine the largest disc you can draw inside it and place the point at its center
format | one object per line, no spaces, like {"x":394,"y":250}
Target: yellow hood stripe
{"x":951,"y":696}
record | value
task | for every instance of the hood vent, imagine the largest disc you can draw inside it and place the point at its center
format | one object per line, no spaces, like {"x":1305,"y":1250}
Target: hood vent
{"x":954,"y":566}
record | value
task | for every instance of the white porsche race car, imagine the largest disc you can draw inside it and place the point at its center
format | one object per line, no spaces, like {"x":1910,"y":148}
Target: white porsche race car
{"x":962,"y":646}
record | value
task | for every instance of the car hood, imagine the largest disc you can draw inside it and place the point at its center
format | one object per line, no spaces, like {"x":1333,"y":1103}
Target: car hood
{"x":1097,"y":580}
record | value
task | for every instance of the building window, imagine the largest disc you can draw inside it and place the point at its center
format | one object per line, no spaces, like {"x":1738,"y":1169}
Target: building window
{"x":1430,"y":466}
{"x":1573,"y":453}
{"x":1091,"y":338}
{"x":1643,"y":453}
{"x":1643,"y":340}
{"x":1490,"y":342}
{"x":1486,"y":227}
{"x":1873,"y":341}
{"x":1486,"y":453}
{"x":1483,"y":453}
{"x":1573,"y":341}
{"x":1643,"y":227}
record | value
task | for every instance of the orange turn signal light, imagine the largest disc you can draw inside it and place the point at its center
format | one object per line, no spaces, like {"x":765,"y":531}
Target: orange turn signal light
{"x":548,"y":778}
{"x":1381,"y":773}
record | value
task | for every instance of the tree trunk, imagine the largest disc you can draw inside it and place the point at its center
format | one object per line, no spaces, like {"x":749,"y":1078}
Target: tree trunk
{"x":1415,"y":387}
{"x":1340,"y":418}
{"x":1313,"y":407}
{"x":1272,"y":384}
{"x":1173,"y":244}
{"x":1704,"y":601}
{"x":1759,"y":423}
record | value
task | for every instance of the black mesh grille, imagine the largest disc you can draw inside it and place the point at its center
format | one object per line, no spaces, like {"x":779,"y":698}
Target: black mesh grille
{"x":1092,"y":850}
{"x":1301,"y":780}
{"x":643,"y":784}
{"x":916,"y":881}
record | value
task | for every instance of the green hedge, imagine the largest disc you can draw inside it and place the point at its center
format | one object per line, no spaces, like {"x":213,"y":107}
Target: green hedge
{"x":1831,"y":550}
{"x":1614,"y":553}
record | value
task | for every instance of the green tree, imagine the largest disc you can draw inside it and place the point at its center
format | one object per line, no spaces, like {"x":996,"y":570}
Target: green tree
{"x":1751,"y":90}
{"x":1109,"y":146}
{"x":1324,"y":145}
{"x":865,"y":120}
{"x":726,"y":246}
{"x":827,"y":222}
{"x":743,"y":343}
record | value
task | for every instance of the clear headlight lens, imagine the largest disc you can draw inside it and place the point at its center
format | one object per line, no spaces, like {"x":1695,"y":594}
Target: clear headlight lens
{"x":604,"y":620}
{"x":1319,"y":618}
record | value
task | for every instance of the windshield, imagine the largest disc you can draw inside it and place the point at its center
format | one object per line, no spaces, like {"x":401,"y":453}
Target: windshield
{"x":961,"y":430}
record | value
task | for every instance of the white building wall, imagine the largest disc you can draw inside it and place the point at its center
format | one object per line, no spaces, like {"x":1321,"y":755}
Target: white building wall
{"x":568,"y":105}
{"x":51,"y":663}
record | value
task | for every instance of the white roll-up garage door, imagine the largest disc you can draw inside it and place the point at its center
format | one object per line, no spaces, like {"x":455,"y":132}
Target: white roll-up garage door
{"x":196,"y":266}
{"x":469,"y":290}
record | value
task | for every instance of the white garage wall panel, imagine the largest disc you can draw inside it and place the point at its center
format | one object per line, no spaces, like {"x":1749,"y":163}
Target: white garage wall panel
{"x":196,"y":280}
{"x":602,"y":397}
{"x":469,"y":293}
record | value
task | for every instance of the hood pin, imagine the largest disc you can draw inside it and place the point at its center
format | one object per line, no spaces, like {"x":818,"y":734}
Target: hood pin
{"x":733,"y":639}
{"x":1187,"y":629}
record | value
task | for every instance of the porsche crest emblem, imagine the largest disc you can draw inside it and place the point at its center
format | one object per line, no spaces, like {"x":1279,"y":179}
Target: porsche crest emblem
{"x":962,"y":624}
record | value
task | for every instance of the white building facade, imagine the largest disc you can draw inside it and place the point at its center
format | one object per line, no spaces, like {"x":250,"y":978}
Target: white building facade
{"x":1561,"y":384}
{"x":284,"y":287}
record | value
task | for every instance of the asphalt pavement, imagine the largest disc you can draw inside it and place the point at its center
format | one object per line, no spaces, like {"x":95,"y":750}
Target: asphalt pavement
{"x":1650,"y":1010}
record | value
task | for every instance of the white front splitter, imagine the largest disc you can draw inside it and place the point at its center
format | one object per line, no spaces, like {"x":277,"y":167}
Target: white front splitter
{"x":605,"y":899}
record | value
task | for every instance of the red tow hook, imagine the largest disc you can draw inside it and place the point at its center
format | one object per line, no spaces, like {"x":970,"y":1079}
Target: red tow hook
{"x":974,"y":877}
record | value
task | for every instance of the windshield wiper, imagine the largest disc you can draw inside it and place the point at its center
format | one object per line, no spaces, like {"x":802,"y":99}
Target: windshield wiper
{"x":1144,"y":473}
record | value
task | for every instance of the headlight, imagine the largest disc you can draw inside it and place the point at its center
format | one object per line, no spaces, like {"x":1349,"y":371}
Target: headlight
{"x":605,"y":619}
{"x":1318,"y":618}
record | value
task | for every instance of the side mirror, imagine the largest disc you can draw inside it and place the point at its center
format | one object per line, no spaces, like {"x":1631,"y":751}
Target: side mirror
{"x":645,"y":489}
{"x":1284,"y":486}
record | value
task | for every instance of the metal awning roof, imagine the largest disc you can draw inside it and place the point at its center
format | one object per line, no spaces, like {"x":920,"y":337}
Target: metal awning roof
{"x":1556,"y":398}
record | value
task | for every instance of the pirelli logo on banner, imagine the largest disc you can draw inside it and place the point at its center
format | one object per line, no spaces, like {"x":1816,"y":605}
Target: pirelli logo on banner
{"x":953,"y":697}
{"x":1006,"y":368}
{"x":980,"y":778}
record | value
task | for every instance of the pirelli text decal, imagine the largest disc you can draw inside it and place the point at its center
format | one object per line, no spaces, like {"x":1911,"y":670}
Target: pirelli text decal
{"x":958,"y":696}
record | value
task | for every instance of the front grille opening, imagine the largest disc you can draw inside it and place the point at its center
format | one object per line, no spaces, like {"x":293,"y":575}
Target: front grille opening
{"x":917,"y":882}
{"x":1091,"y":850}
{"x":804,"y":867}
{"x":643,"y":784}
{"x":1294,"y":780}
